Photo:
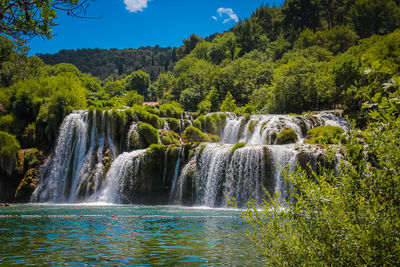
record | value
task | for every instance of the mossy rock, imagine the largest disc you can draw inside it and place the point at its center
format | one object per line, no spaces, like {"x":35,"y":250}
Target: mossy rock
{"x":193,"y":134}
{"x":173,"y":124}
{"x":134,"y":140}
{"x":326,"y":135}
{"x":287,"y":136}
{"x":237,"y":146}
{"x":169,"y":138}
{"x":252,"y":126}
{"x":27,"y":185}
{"x":214,"y":138}
{"x":148,"y":133}
{"x":107,"y":160}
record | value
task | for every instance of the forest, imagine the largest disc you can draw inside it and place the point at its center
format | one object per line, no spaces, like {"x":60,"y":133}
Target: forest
{"x":307,"y":55}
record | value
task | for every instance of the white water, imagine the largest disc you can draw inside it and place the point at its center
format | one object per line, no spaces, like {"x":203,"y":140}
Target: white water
{"x":77,"y":160}
{"x":124,"y":169}
{"x":83,"y":168}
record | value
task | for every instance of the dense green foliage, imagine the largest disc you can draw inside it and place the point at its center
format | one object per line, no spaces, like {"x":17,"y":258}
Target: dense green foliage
{"x":8,"y":153}
{"x":114,"y":64}
{"x":325,"y":135}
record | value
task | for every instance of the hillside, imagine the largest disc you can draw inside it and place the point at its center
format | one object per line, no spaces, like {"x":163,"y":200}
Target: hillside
{"x":112,"y":64}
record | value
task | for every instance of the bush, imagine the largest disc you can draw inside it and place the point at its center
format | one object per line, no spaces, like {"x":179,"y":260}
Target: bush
{"x":8,"y":153}
{"x":148,"y":133}
{"x":194,"y":135}
{"x":237,"y":146}
{"x":325,"y":135}
{"x":287,"y":136}
{"x":172,"y":109}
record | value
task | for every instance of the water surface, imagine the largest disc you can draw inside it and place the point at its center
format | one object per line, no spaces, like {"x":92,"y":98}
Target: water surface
{"x":123,"y":235}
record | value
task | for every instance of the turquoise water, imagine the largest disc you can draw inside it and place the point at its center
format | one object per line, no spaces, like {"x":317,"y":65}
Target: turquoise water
{"x":123,"y":235}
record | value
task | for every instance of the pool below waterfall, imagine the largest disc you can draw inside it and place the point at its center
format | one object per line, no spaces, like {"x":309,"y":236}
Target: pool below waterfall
{"x":100,"y":234}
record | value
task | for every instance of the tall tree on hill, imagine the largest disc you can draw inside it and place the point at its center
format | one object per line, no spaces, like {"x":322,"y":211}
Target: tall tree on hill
{"x":139,"y":81}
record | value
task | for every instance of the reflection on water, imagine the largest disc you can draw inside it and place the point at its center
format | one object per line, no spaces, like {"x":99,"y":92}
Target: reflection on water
{"x":130,"y":240}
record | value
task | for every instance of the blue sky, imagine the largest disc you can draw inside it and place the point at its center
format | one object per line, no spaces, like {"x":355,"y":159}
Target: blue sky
{"x":136,"y":23}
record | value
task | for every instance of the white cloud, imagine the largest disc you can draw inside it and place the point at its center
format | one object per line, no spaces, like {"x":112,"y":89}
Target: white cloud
{"x":223,"y":12}
{"x":214,"y":18}
{"x":136,"y":5}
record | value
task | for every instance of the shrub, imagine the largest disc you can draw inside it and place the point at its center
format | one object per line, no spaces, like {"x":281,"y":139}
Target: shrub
{"x":8,"y":153}
{"x":237,"y":146}
{"x":287,"y":136}
{"x":172,"y":109}
{"x":325,"y":135}
{"x":194,"y":135}
{"x":148,"y":133}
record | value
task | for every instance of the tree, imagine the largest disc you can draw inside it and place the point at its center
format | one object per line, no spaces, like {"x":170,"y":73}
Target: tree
{"x":249,"y":35}
{"x":210,"y":103}
{"x":375,"y":17}
{"x":229,"y":103}
{"x":139,"y":81}
{"x":22,"y":19}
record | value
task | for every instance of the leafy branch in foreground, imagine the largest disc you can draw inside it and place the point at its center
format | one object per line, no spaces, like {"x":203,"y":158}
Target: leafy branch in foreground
{"x":349,"y":216}
{"x":23,"y":19}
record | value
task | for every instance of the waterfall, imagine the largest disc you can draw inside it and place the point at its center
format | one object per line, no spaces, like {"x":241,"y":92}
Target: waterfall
{"x":97,"y":158}
{"x":176,"y":172}
{"x":76,"y":168}
{"x":122,"y":171}
{"x":217,"y":174}
{"x":264,"y":129}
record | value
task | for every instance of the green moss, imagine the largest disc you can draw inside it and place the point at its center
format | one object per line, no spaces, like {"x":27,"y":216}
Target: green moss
{"x":8,"y":153}
{"x":326,"y":135}
{"x":193,"y":134}
{"x":237,"y":146}
{"x":7,"y":123}
{"x":197,"y":124}
{"x":156,"y":149}
{"x":287,"y":136}
{"x":33,"y":158}
{"x":28,"y":137}
{"x":169,"y":138}
{"x":148,"y":133}
{"x":134,"y":140}
{"x":214,"y":138}
{"x":252,"y":125}
{"x":201,"y":150}
{"x":173,"y":124}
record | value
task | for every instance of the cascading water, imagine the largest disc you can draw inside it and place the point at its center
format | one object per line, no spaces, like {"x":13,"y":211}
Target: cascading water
{"x":119,"y":177}
{"x":87,"y":164}
{"x":76,"y":169}
{"x":216,"y":172}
